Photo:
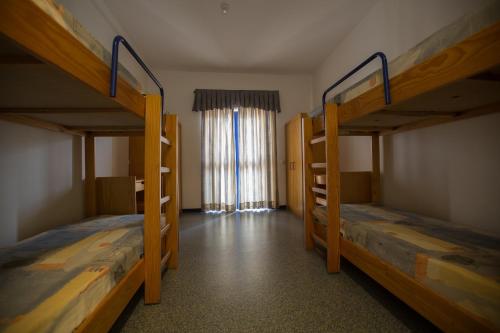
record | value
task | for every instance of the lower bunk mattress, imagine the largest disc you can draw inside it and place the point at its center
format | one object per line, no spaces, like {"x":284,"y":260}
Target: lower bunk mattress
{"x":456,"y":262}
{"x":51,"y":282}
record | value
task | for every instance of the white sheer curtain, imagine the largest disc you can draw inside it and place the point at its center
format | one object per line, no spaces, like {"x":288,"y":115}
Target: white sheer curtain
{"x":257,"y":158}
{"x":218,"y":160}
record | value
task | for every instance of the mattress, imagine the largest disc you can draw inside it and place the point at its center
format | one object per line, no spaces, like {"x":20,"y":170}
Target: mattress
{"x":66,"y":20}
{"x":448,"y":36}
{"x":53,"y":281}
{"x":457,"y":262}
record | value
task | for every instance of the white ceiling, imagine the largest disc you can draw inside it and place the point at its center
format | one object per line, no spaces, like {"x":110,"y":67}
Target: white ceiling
{"x":255,"y":36}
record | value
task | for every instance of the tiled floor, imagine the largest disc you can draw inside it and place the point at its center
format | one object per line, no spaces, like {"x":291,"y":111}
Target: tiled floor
{"x":249,"y":272}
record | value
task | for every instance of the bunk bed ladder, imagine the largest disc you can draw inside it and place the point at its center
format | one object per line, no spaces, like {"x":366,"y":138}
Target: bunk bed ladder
{"x":160,"y":196}
{"x":160,"y":211}
{"x":169,"y":195}
{"x":322,"y":178}
{"x":321,"y":175}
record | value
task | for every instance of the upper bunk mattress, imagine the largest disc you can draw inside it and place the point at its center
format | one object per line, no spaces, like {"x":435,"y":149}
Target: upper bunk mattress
{"x":448,"y":36}
{"x":456,"y":262}
{"x":51,"y":282}
{"x":65,"y":19}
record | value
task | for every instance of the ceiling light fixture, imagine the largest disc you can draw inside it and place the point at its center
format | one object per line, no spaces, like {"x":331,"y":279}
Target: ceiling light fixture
{"x":224,"y":7}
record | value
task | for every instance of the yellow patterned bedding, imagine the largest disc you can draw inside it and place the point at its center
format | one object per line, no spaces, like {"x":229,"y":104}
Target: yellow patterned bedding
{"x":456,"y":262}
{"x":51,"y":282}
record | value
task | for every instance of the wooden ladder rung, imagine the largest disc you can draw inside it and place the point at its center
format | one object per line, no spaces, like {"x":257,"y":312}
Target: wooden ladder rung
{"x":164,"y":230}
{"x":164,"y":170}
{"x":164,"y":200}
{"x":164,"y":140}
{"x":318,"y":140}
{"x":164,"y":260}
{"x":320,"y":179}
{"x":318,"y":165}
{"x":318,"y":240}
{"x":319,"y":190}
{"x":321,"y":201}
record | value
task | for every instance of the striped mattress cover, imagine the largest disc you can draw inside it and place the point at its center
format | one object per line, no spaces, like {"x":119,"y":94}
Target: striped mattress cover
{"x":456,"y":262}
{"x":51,"y":282}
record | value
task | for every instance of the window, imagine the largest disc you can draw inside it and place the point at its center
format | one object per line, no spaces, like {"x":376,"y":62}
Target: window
{"x":239,"y":159}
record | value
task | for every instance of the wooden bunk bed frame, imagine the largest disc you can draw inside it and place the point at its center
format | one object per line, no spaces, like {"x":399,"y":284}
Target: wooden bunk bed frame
{"x":474,"y":58}
{"x":48,"y":43}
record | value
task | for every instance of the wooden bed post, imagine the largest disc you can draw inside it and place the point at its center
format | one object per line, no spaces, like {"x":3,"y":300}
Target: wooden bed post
{"x":307,"y":159}
{"x":333,"y":188}
{"x":90,"y":200}
{"x":152,"y":179}
{"x":171,"y":187}
{"x":375,"y":169}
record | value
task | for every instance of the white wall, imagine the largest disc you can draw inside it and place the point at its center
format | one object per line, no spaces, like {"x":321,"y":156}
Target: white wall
{"x":42,"y":178}
{"x":111,"y":157}
{"x":448,"y":171}
{"x":295,"y":95}
{"x":431,"y":171}
{"x":42,"y":184}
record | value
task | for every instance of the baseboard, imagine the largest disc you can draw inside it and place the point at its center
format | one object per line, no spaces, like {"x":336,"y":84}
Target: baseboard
{"x":198,"y":210}
{"x":191,"y":210}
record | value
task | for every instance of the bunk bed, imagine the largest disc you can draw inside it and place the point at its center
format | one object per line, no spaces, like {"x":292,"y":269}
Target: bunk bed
{"x":80,"y":277}
{"x":446,"y":272}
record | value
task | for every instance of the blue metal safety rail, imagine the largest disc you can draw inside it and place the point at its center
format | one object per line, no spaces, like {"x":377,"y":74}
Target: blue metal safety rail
{"x":385,"y":75}
{"x":114,"y":68}
{"x":237,"y":156}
